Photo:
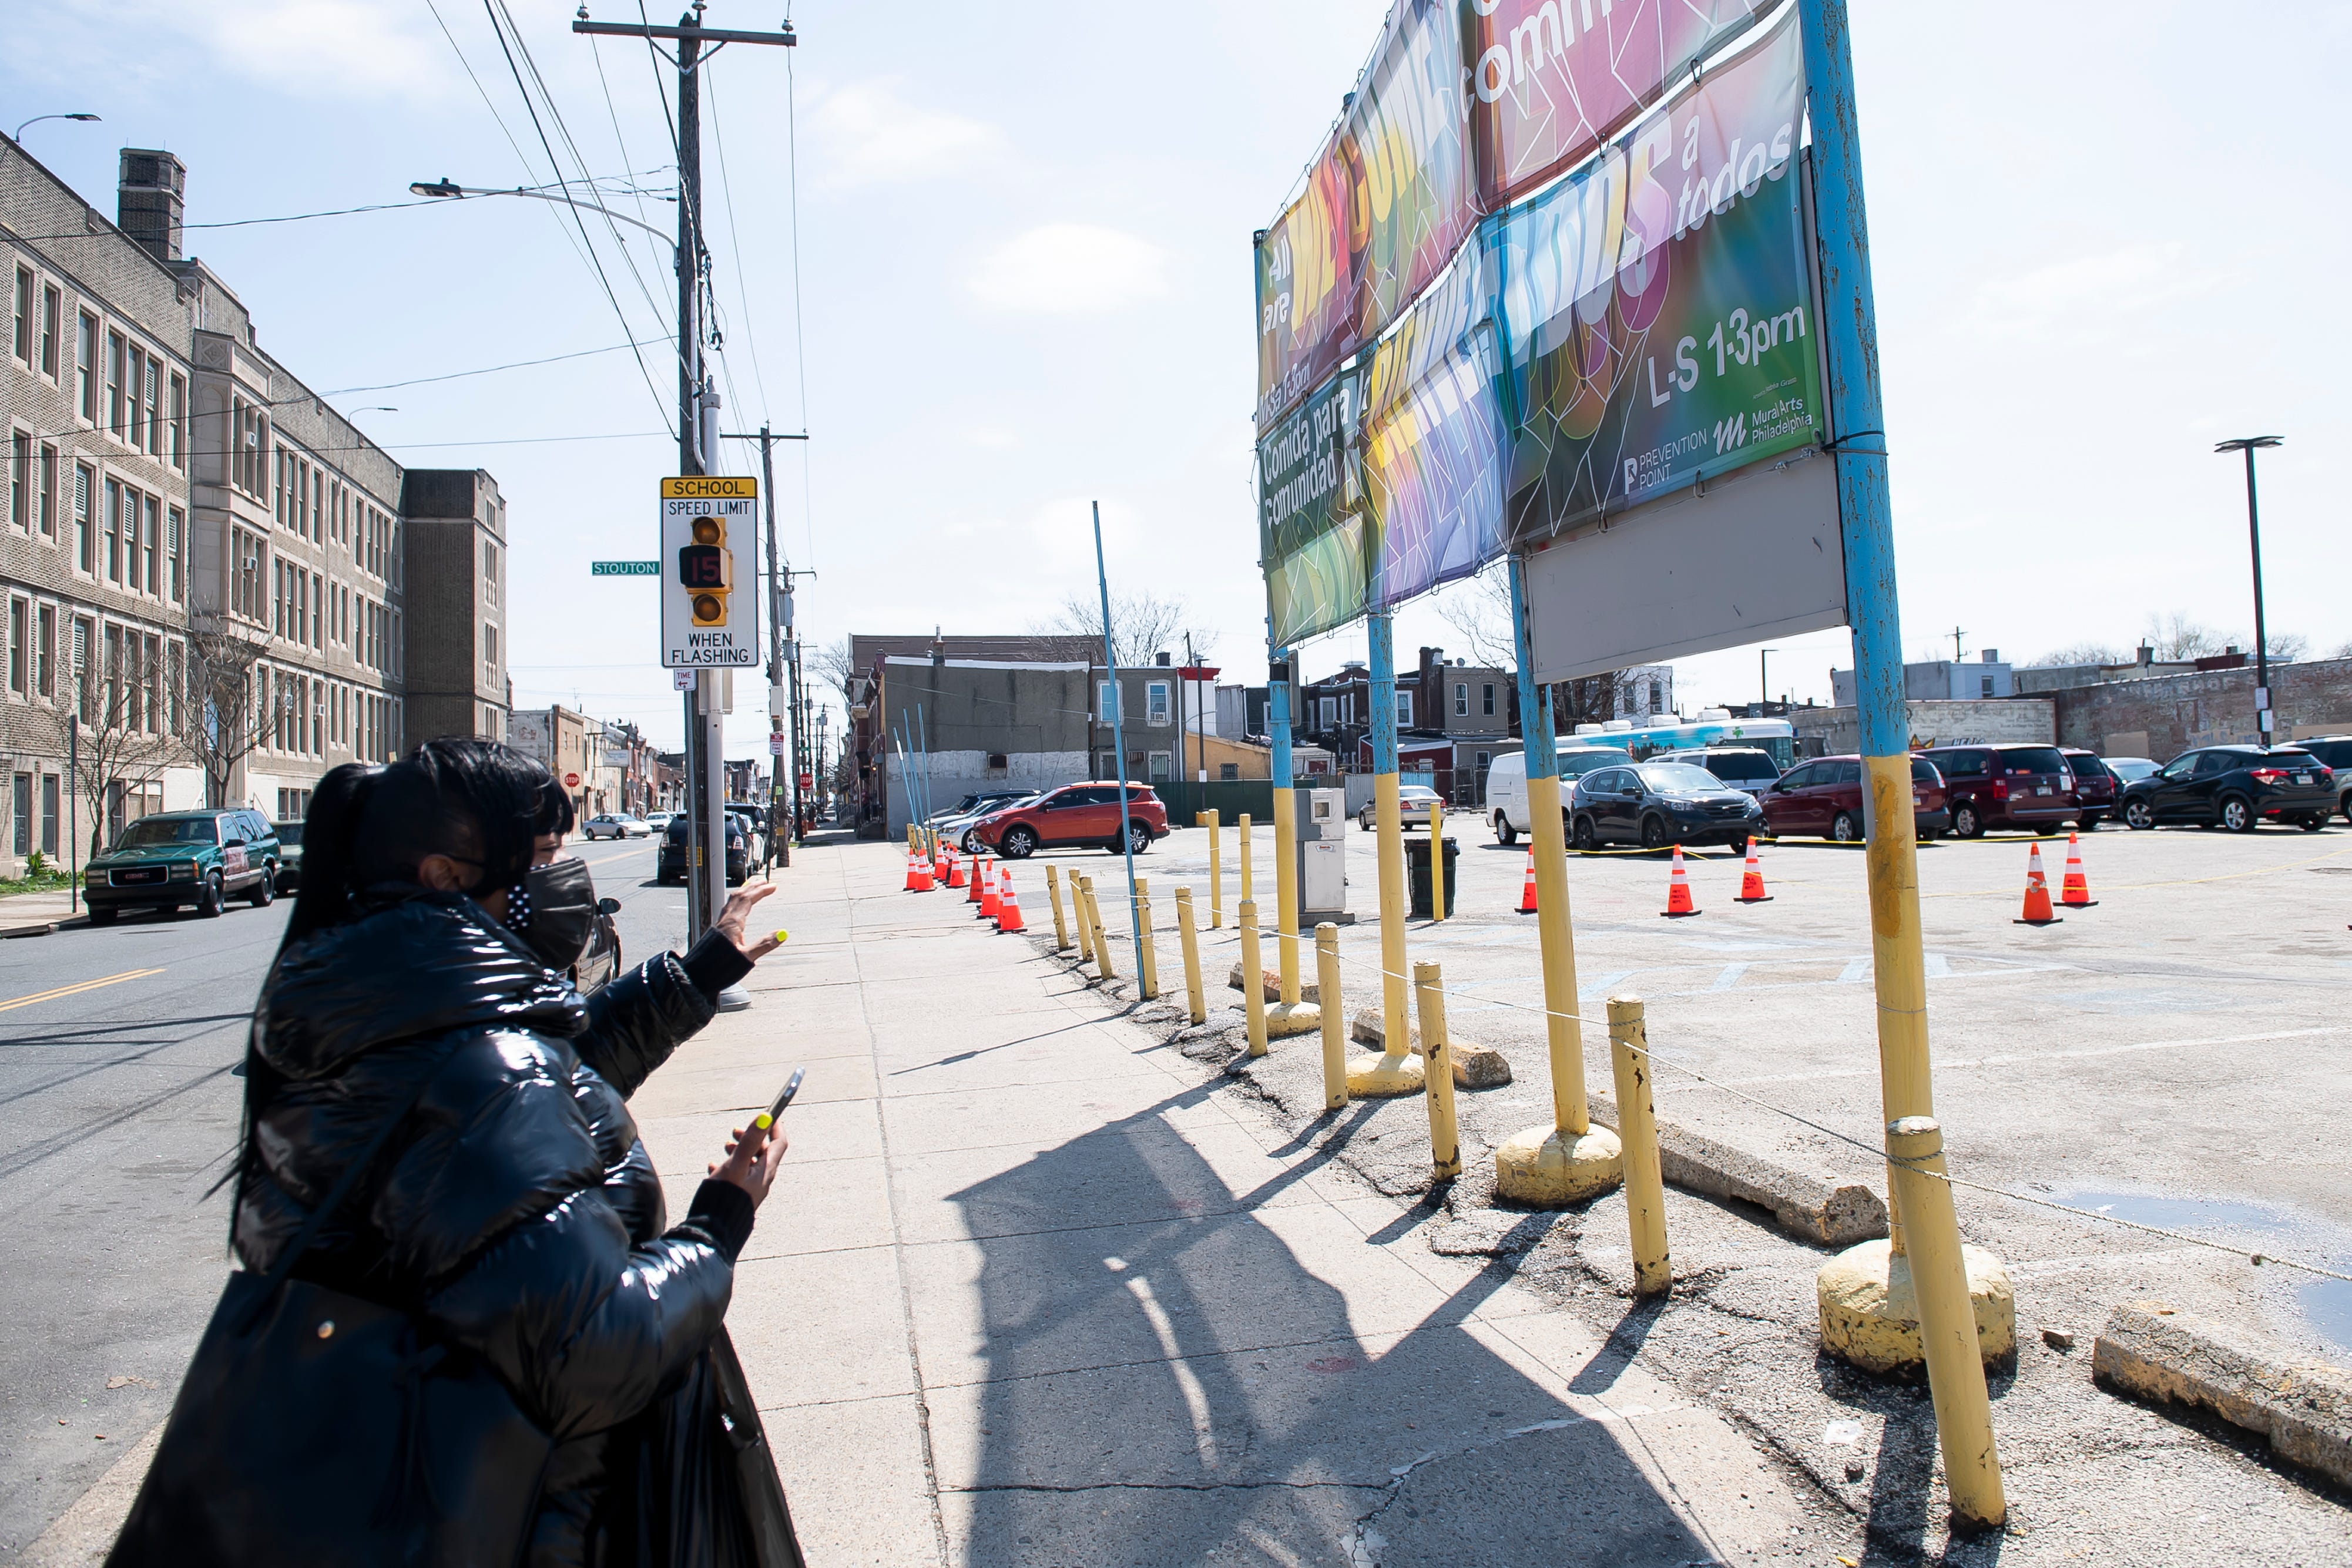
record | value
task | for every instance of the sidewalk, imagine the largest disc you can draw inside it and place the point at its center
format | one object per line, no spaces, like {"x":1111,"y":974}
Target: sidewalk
{"x":1033,"y":1289}
{"x":36,"y":913}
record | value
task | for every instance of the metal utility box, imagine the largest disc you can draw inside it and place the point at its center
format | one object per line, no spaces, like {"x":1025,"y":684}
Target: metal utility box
{"x":1322,"y":850}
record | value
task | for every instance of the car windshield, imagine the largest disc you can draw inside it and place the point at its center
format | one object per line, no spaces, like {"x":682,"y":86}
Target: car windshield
{"x":2130,"y":767}
{"x":1677,"y":778}
{"x":1576,"y":764}
{"x":2031,"y":759}
{"x":2281,"y":757}
{"x":1924,"y":771}
{"x":287,"y":833}
{"x":1740,"y":765}
{"x":157,"y":830}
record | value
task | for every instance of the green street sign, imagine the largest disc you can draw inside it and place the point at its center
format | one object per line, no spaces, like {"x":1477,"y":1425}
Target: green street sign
{"x":625,"y":569}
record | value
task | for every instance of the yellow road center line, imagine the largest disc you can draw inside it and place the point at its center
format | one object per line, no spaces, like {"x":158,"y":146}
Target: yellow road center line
{"x":74,"y":989}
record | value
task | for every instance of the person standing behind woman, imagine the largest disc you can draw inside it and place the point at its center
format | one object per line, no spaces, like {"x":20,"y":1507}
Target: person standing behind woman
{"x":418,"y":1009}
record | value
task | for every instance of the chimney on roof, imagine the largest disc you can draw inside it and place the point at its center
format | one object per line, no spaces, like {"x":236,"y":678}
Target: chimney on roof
{"x":2146,"y":655}
{"x":148,"y":200}
{"x":1991,"y":655}
{"x":1160,"y":658}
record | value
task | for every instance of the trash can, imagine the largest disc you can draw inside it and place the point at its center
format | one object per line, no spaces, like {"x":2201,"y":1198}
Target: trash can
{"x":1416,"y":872}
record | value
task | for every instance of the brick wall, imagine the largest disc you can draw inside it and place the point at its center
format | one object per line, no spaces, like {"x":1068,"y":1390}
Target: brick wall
{"x":2168,"y":714}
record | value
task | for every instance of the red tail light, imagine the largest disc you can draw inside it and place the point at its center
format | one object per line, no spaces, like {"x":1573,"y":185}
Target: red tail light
{"x":2271,"y":775}
{"x":2001,"y":788}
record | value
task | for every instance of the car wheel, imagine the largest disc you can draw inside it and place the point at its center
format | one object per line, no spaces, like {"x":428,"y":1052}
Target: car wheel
{"x":1364,"y":820}
{"x":1138,"y":837}
{"x":2345,"y":805}
{"x":2091,"y":820}
{"x":1842,"y":827}
{"x":208,"y":902}
{"x":265,"y":892}
{"x":1504,"y":833}
{"x":1018,"y":843}
{"x":1582,"y":836}
{"x":2237,"y":815}
{"x":1966,"y":823}
{"x":2138,"y":816}
{"x":99,"y":916}
{"x":1653,"y":834}
{"x":2313,"y":821}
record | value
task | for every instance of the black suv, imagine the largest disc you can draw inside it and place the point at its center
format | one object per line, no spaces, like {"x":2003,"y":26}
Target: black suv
{"x":2025,"y":787}
{"x":675,"y":855}
{"x":2234,"y":787}
{"x":2335,"y":750}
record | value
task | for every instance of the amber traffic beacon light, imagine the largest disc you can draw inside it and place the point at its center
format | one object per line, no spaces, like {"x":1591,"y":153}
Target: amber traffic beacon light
{"x":706,"y":570}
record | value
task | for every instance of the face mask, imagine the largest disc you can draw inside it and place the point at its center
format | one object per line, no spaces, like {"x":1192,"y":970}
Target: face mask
{"x":554,"y":910}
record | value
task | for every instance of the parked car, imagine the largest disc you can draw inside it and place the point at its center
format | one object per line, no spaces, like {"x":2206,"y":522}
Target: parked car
{"x":197,"y":858}
{"x":1748,"y":768}
{"x":602,"y":961}
{"x":2022,"y":787}
{"x":675,"y":859}
{"x":290,"y":855}
{"x":2335,"y":751}
{"x":614,"y":825}
{"x":2094,"y":787}
{"x":977,"y":803}
{"x":1413,"y":801}
{"x":1506,"y":785}
{"x":1074,"y":816}
{"x":657,"y":821}
{"x":1824,"y":797}
{"x":2235,"y":787}
{"x":1658,"y":803}
{"x":955,"y":828}
{"x":2128,"y":769}
{"x":753,"y":820}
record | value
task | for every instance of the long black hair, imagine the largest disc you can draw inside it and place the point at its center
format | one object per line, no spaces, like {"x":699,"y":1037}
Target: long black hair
{"x":474,"y":800}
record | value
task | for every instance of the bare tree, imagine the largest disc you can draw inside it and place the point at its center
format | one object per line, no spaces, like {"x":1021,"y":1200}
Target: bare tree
{"x":230,"y":709}
{"x":1142,"y":625}
{"x":834,"y":662}
{"x":2176,"y":637}
{"x":118,"y":720}
{"x":1479,"y":610}
{"x":2288,"y":646}
{"x":2083,"y":652}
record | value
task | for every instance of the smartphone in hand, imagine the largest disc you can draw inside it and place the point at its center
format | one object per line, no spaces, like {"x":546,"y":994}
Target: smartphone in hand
{"x":792,"y":1087}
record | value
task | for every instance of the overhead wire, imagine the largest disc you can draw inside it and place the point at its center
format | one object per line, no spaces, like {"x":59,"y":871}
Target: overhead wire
{"x":800,"y":340}
{"x":489,"y":103}
{"x":735,"y":243}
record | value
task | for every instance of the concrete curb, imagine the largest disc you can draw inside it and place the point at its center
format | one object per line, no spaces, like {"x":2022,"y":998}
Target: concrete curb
{"x":1475,"y":1066}
{"x":35,"y":928}
{"x":2303,"y":1409}
{"x":1309,"y":990}
{"x":1805,"y":1206}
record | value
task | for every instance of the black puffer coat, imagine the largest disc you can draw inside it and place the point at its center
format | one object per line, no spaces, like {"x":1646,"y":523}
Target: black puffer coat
{"x":515,"y":1211}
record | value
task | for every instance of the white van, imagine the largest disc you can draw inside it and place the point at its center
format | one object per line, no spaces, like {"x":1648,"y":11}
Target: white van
{"x":1506,"y":785}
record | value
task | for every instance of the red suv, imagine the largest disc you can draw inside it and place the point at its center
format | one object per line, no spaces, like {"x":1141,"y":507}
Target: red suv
{"x":1075,"y":816}
{"x":2022,"y":787}
{"x":2094,"y":786}
{"x":1824,"y":797}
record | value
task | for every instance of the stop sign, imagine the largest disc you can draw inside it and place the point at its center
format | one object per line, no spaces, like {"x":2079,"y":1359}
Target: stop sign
{"x":571,"y":781}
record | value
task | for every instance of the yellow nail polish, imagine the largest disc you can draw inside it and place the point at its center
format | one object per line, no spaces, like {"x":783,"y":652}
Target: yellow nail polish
{"x":784,"y":936}
{"x":763,"y":1121}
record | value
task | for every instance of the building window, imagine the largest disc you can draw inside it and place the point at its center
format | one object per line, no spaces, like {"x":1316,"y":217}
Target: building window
{"x":44,"y":492}
{"x":22,"y":342}
{"x":1228,"y":771}
{"x":114,"y":530}
{"x":20,"y":479}
{"x":45,"y":653}
{"x":175,"y":544}
{"x":1987,"y":686}
{"x":1404,"y":710}
{"x":20,"y":804}
{"x":1327,"y":712}
{"x":154,"y":547}
{"x":116,"y":415}
{"x":1657,"y":696}
{"x":154,"y":392}
{"x":85,"y":536}
{"x":1155,"y":702}
{"x":53,"y":306}
{"x":1489,"y":699}
{"x":20,"y":632}
{"x":489,"y":651}
{"x":1160,"y":766}
{"x":1461,"y":700}
{"x":489,"y":572}
{"x":86,"y":368}
{"x":1107,"y":705}
{"x":49,"y":802}
{"x":179,"y":436}
{"x":136,"y":374}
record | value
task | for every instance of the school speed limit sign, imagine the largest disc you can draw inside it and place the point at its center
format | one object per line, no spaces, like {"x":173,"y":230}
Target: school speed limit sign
{"x":709,"y":616}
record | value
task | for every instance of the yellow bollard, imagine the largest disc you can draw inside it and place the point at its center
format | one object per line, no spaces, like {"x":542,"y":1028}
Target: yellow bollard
{"x":1436,"y":861}
{"x":1327,"y":992}
{"x":1104,"y":965}
{"x":1191,"y":941}
{"x":1249,"y":895}
{"x":1053,"y":892}
{"x":1252,"y":995}
{"x":1216,"y":874}
{"x":1637,"y":1132}
{"x":1437,"y":1058}
{"x":1149,"y":979}
{"x":1947,"y":1324}
{"x":1085,"y":927}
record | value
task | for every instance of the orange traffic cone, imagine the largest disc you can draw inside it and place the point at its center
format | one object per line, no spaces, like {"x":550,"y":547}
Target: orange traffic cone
{"x":2074,"y":892}
{"x":1678,"y":893}
{"x":988,"y":894}
{"x":955,"y":869}
{"x":2037,"y":892}
{"x":918,"y":875}
{"x":1528,"y":888}
{"x":1751,"y":880}
{"x":978,"y":880}
{"x":1008,"y":908}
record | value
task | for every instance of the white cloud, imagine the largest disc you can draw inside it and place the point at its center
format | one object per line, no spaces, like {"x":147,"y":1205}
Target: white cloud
{"x":1071,"y":269}
{"x":869,"y":134}
{"x":327,"y":48}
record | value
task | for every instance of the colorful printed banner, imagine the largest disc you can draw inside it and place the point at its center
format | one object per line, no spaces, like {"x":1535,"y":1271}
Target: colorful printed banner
{"x":1656,"y":311}
{"x":1549,"y":79}
{"x":1311,"y":528}
{"x":1388,"y":202}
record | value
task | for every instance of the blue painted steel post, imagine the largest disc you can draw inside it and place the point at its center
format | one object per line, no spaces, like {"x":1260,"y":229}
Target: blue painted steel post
{"x":1390,"y":817}
{"x":1285,"y":832}
{"x":1548,"y":828}
{"x":1118,"y":740}
{"x":1963,"y":1415}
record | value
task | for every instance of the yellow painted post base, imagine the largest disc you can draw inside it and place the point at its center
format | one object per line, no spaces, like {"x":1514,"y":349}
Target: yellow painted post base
{"x":1293,"y":1017}
{"x":1547,"y":1168}
{"x":1870,"y":1316}
{"x":1381,"y":1076}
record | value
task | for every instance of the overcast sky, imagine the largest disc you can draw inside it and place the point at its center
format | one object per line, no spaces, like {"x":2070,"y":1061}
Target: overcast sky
{"x":2103,"y":240}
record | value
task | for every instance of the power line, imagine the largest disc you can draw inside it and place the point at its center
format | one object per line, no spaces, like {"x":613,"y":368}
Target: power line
{"x":799,"y":340}
{"x":501,"y":119}
{"x":486,"y":370}
{"x":735,"y":242}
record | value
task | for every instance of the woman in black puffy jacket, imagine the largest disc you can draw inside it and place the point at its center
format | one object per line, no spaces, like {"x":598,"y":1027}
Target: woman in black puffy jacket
{"x":514,"y":1212}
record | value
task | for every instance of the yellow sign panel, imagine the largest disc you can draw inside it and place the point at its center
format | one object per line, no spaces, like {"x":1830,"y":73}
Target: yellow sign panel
{"x":733,"y":487}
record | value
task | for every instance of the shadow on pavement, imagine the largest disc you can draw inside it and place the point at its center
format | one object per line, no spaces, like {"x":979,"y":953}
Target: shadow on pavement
{"x":1170,"y":1386}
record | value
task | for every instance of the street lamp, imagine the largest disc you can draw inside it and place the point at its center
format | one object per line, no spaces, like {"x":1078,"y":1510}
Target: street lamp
{"x":444,"y":187}
{"x":38,"y":118}
{"x":2249,"y":444}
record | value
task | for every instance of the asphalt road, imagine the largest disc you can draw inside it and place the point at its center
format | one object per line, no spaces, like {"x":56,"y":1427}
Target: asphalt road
{"x":119,"y":1109}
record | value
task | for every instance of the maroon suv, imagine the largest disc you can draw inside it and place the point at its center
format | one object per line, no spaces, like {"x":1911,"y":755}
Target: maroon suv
{"x":2027,"y":788}
{"x":1076,"y":816}
{"x":2094,"y":786}
{"x":1824,"y":797}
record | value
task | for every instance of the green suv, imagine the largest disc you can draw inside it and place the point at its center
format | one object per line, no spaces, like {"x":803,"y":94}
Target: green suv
{"x":198,"y":858}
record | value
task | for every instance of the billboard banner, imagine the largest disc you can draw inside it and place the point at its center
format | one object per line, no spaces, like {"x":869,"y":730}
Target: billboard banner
{"x":1311,"y":527}
{"x":1306,"y":291}
{"x":1549,"y":79}
{"x":1657,"y":309}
